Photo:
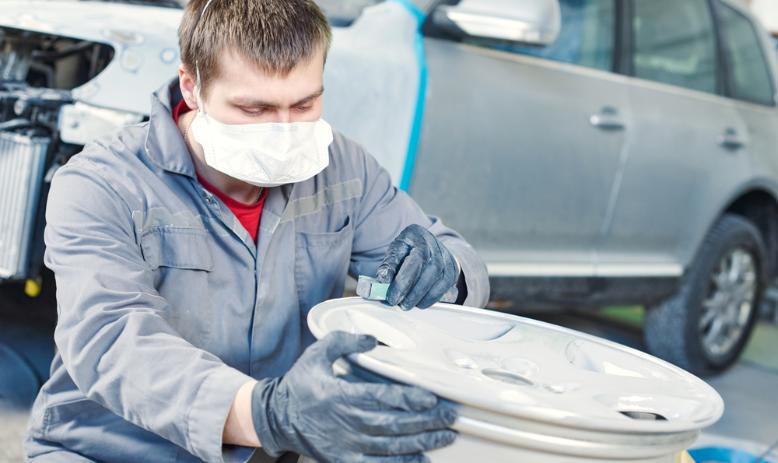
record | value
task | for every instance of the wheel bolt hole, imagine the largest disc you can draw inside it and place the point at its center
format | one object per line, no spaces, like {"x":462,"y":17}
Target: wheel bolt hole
{"x":643,"y":416}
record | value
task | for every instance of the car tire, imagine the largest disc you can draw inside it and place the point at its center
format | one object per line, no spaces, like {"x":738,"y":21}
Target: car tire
{"x":706,"y":325}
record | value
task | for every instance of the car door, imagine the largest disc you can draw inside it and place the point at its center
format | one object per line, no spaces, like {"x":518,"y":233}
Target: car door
{"x":687,"y":146}
{"x":750,"y":83}
{"x":520,"y":145}
{"x":751,"y":67}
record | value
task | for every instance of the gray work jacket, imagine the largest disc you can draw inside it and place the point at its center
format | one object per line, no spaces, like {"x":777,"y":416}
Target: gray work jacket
{"x":166,"y":304}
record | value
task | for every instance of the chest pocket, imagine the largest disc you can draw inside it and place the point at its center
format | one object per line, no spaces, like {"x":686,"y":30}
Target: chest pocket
{"x":321,"y":264}
{"x":181,"y":248}
{"x":181,"y":261}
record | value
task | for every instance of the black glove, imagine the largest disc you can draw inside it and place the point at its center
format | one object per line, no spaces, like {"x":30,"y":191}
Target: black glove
{"x":419,"y":268}
{"x":312,"y":412}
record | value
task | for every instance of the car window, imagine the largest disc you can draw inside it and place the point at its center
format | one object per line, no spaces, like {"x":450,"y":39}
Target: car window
{"x":749,"y":77}
{"x":586,"y":37}
{"x":674,"y":43}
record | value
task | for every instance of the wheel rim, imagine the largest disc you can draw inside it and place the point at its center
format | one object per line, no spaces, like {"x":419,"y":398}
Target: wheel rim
{"x":729,"y":303}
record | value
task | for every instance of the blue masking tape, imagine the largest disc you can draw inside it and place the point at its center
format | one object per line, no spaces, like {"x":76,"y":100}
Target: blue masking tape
{"x":418,"y":117}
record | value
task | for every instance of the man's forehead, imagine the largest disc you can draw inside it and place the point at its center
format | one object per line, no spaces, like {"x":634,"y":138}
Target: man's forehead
{"x":244,"y":81}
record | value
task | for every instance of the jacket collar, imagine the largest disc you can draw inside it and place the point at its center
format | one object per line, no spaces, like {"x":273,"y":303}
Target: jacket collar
{"x":166,"y":147}
{"x":164,"y":143}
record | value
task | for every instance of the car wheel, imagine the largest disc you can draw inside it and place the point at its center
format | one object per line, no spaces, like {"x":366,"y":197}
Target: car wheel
{"x":704,"y":327}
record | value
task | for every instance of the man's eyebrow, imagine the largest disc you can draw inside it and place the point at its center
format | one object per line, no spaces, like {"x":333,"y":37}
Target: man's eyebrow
{"x":254,"y":103}
{"x":310,"y":97}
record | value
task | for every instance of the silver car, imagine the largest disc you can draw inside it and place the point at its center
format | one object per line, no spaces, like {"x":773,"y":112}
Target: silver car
{"x":632,"y":161}
{"x":596,"y":152}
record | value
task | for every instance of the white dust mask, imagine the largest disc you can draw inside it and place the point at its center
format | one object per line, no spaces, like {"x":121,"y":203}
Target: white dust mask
{"x":265,"y":154}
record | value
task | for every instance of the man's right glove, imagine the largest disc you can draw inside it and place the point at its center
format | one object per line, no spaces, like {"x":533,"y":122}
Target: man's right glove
{"x":313,"y":412}
{"x":419,"y":267}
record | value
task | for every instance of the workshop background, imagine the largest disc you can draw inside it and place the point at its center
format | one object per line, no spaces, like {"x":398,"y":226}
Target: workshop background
{"x":615,"y":162}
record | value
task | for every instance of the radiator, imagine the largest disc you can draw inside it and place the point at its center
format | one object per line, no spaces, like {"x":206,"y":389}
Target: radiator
{"x":22,"y":160}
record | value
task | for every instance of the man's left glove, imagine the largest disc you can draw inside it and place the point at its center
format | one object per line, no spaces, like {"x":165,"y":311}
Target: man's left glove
{"x":312,"y":411}
{"x":419,"y":269}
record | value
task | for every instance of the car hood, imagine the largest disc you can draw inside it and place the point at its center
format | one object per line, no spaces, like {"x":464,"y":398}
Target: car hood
{"x":144,"y":39}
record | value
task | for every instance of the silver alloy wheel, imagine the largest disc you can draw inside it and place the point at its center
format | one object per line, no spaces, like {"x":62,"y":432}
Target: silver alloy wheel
{"x":729,"y":302}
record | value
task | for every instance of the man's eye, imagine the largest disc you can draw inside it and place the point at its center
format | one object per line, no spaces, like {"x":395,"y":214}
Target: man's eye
{"x":252,"y":112}
{"x":303,"y":109}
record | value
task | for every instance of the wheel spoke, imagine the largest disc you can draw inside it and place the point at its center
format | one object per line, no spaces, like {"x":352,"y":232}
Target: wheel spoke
{"x":715,"y":302}
{"x":744,"y":314}
{"x":732,"y":267}
{"x":736,"y":267}
{"x":721,"y":277}
{"x":707,"y":318}
{"x":743,"y":293}
{"x":711,"y":339}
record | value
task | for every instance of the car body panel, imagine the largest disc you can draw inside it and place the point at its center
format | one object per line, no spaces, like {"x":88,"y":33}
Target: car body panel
{"x":530,"y":199}
{"x":656,"y":206}
{"x":761,"y":124}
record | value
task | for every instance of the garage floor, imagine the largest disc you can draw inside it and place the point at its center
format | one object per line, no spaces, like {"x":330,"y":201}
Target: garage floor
{"x":750,"y":421}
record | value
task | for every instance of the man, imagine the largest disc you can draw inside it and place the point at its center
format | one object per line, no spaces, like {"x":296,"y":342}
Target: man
{"x":189,"y":249}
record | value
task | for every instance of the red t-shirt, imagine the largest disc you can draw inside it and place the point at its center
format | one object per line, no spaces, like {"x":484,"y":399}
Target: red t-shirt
{"x":249,"y":215}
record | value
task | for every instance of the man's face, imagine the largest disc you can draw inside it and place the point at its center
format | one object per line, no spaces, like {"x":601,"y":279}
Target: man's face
{"x":244,"y":94}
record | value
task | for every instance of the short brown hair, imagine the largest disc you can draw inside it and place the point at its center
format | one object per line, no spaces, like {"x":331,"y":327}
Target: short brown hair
{"x":277,"y":35}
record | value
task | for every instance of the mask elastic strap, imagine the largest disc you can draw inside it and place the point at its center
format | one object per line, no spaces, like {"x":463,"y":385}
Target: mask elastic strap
{"x":198,"y":86}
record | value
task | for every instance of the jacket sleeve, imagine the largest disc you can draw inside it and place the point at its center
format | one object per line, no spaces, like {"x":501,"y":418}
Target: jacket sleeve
{"x":384,"y":211}
{"x":111,"y":334}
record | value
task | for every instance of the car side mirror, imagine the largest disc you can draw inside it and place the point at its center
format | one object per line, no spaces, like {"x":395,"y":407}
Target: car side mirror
{"x":530,"y":22}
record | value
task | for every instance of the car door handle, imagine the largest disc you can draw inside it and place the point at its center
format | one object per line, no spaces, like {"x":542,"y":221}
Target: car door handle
{"x":608,"y":119}
{"x":731,"y":139}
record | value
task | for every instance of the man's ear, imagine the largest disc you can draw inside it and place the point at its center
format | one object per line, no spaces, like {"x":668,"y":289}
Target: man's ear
{"x":187,"y":82}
